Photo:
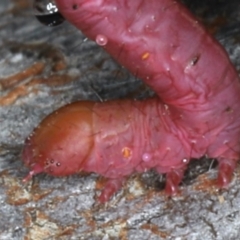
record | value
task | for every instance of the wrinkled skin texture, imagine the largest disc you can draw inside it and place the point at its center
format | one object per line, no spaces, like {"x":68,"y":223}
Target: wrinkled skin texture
{"x":197,"y":112}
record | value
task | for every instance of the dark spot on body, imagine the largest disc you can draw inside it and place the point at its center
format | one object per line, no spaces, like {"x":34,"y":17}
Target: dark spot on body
{"x":75,"y":6}
{"x":228,"y":109}
{"x":195,"y":60}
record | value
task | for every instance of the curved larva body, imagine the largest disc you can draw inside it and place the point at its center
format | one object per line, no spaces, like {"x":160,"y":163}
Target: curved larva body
{"x":160,"y":42}
{"x":113,"y":139}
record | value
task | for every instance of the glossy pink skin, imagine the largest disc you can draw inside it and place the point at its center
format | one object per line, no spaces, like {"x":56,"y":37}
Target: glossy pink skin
{"x":160,"y":42}
{"x":113,"y":139}
{"x":113,"y":143}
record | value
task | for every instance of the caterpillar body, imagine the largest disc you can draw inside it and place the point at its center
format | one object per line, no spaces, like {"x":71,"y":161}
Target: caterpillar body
{"x":196,"y":111}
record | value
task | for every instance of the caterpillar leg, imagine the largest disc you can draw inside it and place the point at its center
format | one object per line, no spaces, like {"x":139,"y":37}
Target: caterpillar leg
{"x":110,"y":188}
{"x":173,"y":179}
{"x":225,"y":172}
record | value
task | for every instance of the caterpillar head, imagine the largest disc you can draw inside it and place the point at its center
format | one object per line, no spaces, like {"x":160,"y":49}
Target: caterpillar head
{"x":62,"y":143}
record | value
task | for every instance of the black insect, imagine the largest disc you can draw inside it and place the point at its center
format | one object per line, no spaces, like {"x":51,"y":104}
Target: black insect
{"x":47,"y":13}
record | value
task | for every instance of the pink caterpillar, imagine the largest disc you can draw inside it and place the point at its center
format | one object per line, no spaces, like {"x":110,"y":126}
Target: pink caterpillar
{"x":196,"y":112}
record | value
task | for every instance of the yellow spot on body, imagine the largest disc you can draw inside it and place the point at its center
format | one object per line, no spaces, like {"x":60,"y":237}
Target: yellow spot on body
{"x":126,"y":152}
{"x":145,"y":55}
